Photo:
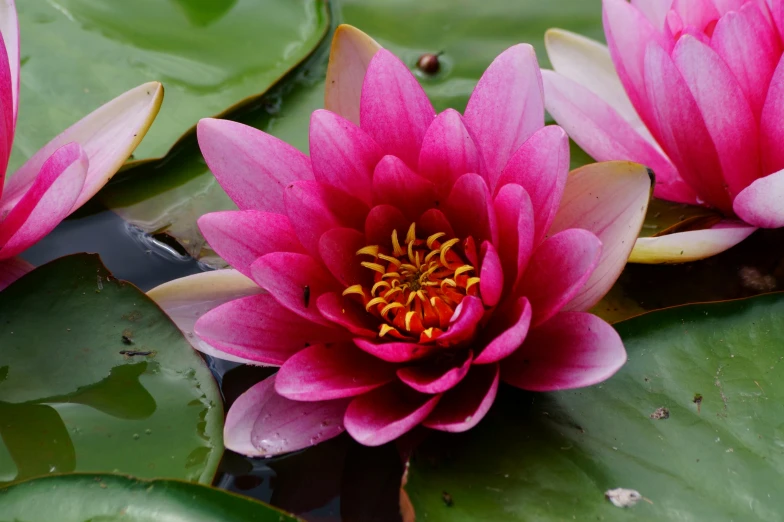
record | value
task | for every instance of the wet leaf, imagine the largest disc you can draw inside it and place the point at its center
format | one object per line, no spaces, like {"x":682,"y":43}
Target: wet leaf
{"x":716,"y":368}
{"x":209,"y":54}
{"x":96,"y":378}
{"x":87,"y":497}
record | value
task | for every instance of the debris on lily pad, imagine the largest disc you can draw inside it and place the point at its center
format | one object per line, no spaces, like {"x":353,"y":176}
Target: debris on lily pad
{"x":660,"y":414}
{"x":623,"y":498}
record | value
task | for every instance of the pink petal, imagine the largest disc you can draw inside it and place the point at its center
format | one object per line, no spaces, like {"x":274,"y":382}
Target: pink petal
{"x":684,"y":134}
{"x":762,"y":203}
{"x":261,"y":423}
{"x":253,"y":167}
{"x":320,"y":373}
{"x":609,"y":199}
{"x":683,"y":247}
{"x":516,"y":227}
{"x":628,"y":32}
{"x":380,"y":223}
{"x":507,"y":336}
{"x":9,"y":28}
{"x":12,"y":269}
{"x":448,"y":152}
{"x":348,"y":314}
{"x":654,"y":10}
{"x":343,"y":155}
{"x":394,"y":108}
{"x":48,"y":201}
{"x":723,"y":6}
{"x":436,"y":376}
{"x":771,"y":129}
{"x":558,"y":270}
{"x":572,"y":350}
{"x":385,"y":414}
{"x":749,"y":46}
{"x":296,"y":281}
{"x":187,"y":299}
{"x":540,"y":166}
{"x":469,"y":209}
{"x":259,"y":329}
{"x":467,"y":403}
{"x":696,"y":13}
{"x":241,"y":237}
{"x":606,"y":136}
{"x":338,"y":248}
{"x":314,"y":208}
{"x":465,"y":321}
{"x":349,"y":58}
{"x":396,"y":352}
{"x":491,"y":276}
{"x":433,"y":222}
{"x":108,"y":136}
{"x":397,"y":185}
{"x":506,"y":108}
{"x":725,"y":110}
{"x":9,"y":88}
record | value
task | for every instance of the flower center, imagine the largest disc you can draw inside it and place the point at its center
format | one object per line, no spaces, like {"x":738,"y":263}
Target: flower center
{"x":416,"y":286}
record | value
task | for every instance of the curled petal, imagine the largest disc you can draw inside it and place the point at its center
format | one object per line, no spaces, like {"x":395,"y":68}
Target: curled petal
{"x":506,"y":334}
{"x":771,"y":129}
{"x":467,"y":403}
{"x":397,"y":185}
{"x":762,"y":203}
{"x":397,"y":352}
{"x":437,"y":376}
{"x":572,"y":350}
{"x":261,"y":423}
{"x":693,"y":245}
{"x":609,"y":199}
{"x":187,"y":299}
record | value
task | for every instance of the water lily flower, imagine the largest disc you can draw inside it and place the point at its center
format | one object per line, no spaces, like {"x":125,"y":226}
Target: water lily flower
{"x":412,"y":261}
{"x":695,"y":90}
{"x":70,"y":169}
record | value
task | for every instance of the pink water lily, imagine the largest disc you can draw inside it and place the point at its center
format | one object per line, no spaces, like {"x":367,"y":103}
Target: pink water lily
{"x":412,"y":261}
{"x":71,"y":168}
{"x":695,"y":90}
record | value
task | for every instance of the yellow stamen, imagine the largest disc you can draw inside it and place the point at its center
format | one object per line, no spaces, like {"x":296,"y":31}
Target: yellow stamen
{"x":354,"y":289}
{"x":385,"y":329}
{"x":410,"y":299}
{"x":471,"y":282}
{"x":391,"y":274}
{"x":390,"y":259}
{"x":463,"y":269}
{"x":377,"y":286}
{"x":409,"y":316}
{"x":411,"y":253}
{"x":434,"y":238}
{"x":429,"y":332}
{"x":374,"y":266}
{"x":370,"y":250}
{"x":396,"y":245}
{"x":445,"y":248}
{"x":411,"y":236}
{"x":390,"y":307}
{"x":431,"y":255}
{"x":375,"y":302}
{"x":449,"y":282}
{"x":392,"y":292}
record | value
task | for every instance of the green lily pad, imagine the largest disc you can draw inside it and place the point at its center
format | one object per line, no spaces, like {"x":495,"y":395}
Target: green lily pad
{"x":693,"y":423}
{"x":95,"y":377}
{"x":90,"y":498}
{"x":209,"y":54}
{"x":168,"y":196}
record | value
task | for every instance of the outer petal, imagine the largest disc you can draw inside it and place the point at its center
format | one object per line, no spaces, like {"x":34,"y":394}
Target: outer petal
{"x":504,"y":339}
{"x":349,"y":58}
{"x":540,"y":166}
{"x":684,"y":134}
{"x":253,"y":167}
{"x":261,"y":423}
{"x":683,"y":247}
{"x":609,"y":199}
{"x":771,"y":129}
{"x":558,"y":270}
{"x":8,"y":100}
{"x":587,"y":63}
{"x":47,"y":202}
{"x":464,"y":322}
{"x":296,"y":281}
{"x":348,"y":314}
{"x":187,"y":299}
{"x":259,"y":329}
{"x":491,"y":275}
{"x":436,"y":376}
{"x":654,"y":10}
{"x":762,"y":203}
{"x":320,"y":373}
{"x":394,"y":108}
{"x":465,"y":405}
{"x":506,"y":107}
{"x":338,"y":248}
{"x":9,"y":28}
{"x":12,"y":269}
{"x":572,"y":350}
{"x":725,"y":110}
{"x":516,"y":231}
{"x":314,"y":208}
{"x":240,"y":238}
{"x":108,"y":136}
{"x":385,"y":414}
{"x":749,"y":46}
{"x":397,"y":185}
{"x":397,"y":352}
{"x":448,"y":152}
{"x":606,"y":136}
{"x":343,"y":155}
{"x":469,"y":209}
